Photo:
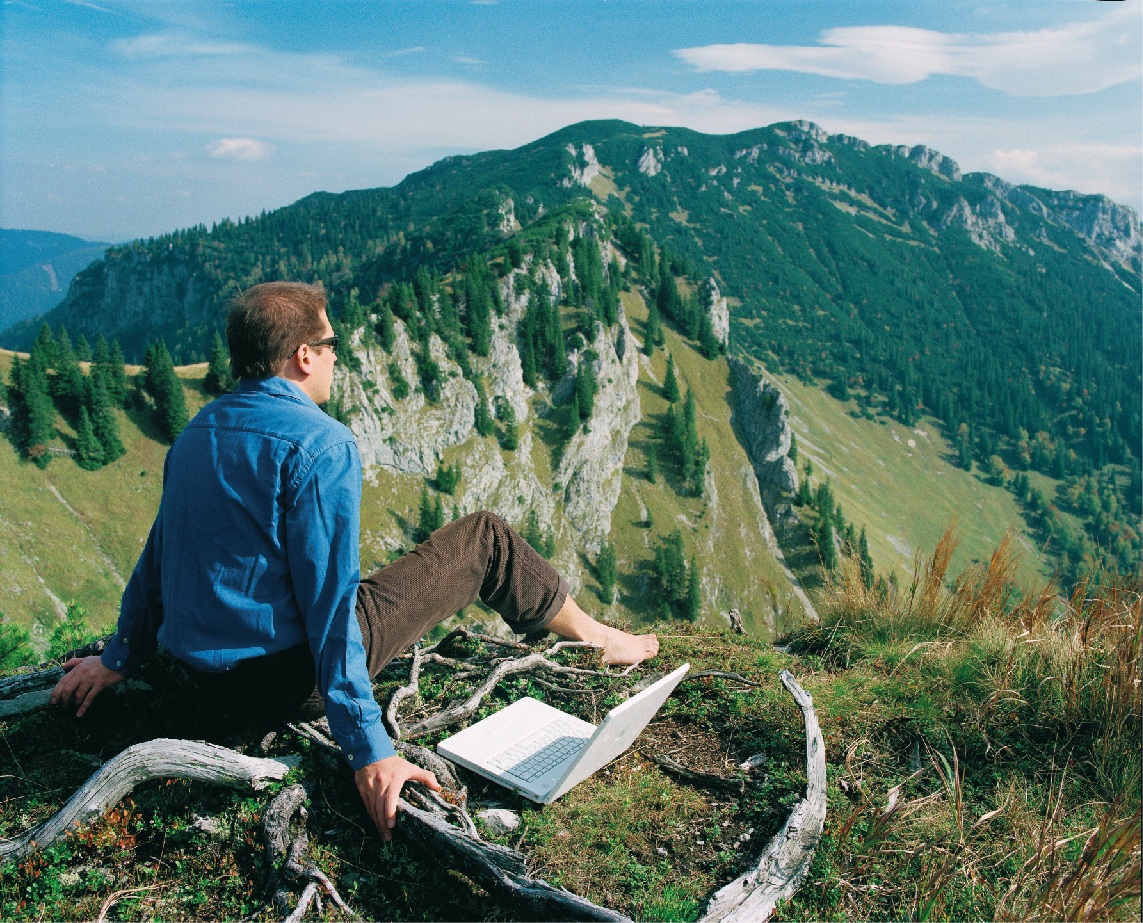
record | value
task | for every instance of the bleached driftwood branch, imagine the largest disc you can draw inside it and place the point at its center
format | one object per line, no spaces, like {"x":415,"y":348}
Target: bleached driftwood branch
{"x":752,"y":897}
{"x":290,"y":850}
{"x":23,"y":693}
{"x":498,"y":869}
{"x":155,"y":759}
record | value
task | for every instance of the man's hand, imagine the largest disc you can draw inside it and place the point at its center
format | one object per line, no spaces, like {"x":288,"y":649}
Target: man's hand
{"x":380,"y":786}
{"x":84,"y":680}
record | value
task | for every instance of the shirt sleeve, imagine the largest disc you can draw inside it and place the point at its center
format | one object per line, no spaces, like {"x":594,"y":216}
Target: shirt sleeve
{"x":323,"y":527}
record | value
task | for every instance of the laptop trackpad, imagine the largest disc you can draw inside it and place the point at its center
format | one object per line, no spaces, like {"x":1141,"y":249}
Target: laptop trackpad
{"x":544,"y":752}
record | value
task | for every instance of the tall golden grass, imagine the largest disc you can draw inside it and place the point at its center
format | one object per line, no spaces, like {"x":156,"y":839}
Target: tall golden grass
{"x":1067,"y":672}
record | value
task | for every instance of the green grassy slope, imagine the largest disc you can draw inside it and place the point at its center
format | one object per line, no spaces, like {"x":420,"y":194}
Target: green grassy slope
{"x":905,"y":494}
{"x":69,"y":535}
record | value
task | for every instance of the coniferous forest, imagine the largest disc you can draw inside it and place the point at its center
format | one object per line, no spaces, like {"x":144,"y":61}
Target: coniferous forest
{"x":905,"y":289}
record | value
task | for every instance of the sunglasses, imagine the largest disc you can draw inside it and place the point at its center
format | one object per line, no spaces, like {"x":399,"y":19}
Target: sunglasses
{"x":331,"y":342}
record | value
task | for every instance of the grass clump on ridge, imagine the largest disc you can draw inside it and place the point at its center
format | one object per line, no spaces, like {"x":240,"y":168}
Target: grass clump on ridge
{"x":991,"y":762}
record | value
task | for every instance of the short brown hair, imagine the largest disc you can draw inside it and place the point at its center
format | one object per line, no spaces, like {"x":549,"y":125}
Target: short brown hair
{"x":267,"y":324}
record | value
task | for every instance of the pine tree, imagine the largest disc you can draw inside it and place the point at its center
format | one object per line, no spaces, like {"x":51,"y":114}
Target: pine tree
{"x":104,"y":423}
{"x":605,"y":571}
{"x":116,"y":375}
{"x":218,"y":378}
{"x":670,"y":567}
{"x":34,"y":415}
{"x":509,"y":432}
{"x":164,"y":386}
{"x":69,"y":385}
{"x":671,"y":382}
{"x":865,"y":559}
{"x":825,"y":542}
{"x":654,"y":331}
{"x":482,"y":416}
{"x":88,"y":451}
{"x":83,"y":349}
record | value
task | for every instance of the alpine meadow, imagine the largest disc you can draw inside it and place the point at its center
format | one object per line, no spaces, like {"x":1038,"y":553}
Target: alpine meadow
{"x":788,"y":399}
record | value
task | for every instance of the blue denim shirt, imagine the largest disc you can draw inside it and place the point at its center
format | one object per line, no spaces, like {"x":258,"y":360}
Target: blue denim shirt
{"x":255,"y":550}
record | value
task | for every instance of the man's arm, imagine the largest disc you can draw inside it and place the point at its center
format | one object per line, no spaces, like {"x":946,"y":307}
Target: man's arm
{"x":323,"y":528}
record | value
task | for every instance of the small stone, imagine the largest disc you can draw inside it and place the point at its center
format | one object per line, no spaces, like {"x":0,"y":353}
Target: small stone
{"x":660,"y":851}
{"x":499,"y":821}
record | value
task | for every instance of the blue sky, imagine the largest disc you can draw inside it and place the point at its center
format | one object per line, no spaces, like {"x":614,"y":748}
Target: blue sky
{"x":125,"y":118}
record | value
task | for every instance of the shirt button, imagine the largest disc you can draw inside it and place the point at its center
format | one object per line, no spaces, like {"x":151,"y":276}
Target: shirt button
{"x":350,"y":757}
{"x":118,"y":663}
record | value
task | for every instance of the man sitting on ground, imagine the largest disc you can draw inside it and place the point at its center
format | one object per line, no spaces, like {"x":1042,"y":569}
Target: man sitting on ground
{"x":251,"y":578}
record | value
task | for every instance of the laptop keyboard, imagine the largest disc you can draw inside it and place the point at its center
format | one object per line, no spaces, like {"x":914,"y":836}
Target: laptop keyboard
{"x":536,"y":754}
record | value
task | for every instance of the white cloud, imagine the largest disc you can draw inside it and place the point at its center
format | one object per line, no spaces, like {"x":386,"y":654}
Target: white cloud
{"x":174,"y":45}
{"x":465,"y":59}
{"x":1079,"y":57}
{"x":239,"y":149}
{"x":1069,"y":166}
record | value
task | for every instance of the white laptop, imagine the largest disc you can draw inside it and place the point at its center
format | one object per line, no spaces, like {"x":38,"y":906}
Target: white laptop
{"x":542,"y":752}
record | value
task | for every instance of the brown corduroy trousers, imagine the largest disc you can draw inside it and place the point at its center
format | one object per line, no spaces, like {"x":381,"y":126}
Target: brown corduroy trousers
{"x":476,"y":557}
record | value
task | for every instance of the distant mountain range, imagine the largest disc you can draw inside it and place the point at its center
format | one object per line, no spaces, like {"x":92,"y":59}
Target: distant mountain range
{"x":36,"y":268}
{"x":882,"y":274}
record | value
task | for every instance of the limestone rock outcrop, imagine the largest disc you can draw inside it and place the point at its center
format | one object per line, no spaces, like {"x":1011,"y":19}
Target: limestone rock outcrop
{"x":763,"y":414}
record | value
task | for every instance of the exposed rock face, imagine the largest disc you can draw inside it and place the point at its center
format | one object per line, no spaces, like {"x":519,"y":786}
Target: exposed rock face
{"x":591,"y":466}
{"x":651,"y":161}
{"x":719,"y":312}
{"x":409,"y":435}
{"x":763,"y":414}
{"x":587,"y":172}
{"x":985,"y":224}
{"x":933,"y":161}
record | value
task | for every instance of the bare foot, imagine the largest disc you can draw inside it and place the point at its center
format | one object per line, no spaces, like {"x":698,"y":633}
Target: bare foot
{"x":618,"y":647}
{"x":621,"y":648}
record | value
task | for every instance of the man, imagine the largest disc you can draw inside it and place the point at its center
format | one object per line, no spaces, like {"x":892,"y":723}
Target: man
{"x":250,"y":575}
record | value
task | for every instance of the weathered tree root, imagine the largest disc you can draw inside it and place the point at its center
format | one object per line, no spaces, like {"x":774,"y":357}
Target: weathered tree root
{"x":499,"y":870}
{"x":27,"y":692}
{"x":276,"y":829}
{"x":694,"y":776}
{"x":409,"y":690}
{"x":786,"y":860}
{"x":155,"y":759}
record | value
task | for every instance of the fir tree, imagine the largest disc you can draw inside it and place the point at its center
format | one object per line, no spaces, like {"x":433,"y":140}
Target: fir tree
{"x":865,"y":559}
{"x":397,"y":380}
{"x":167,"y":391}
{"x":653,"y":334}
{"x":482,"y":416}
{"x":218,"y":378}
{"x":34,"y":415}
{"x":509,"y":431}
{"x":670,"y":567}
{"x":88,"y":451}
{"x":386,"y":327}
{"x":68,"y":386}
{"x":671,"y":382}
{"x":104,"y":424}
{"x":83,"y":349}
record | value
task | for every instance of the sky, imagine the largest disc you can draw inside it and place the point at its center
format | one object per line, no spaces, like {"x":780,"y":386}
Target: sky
{"x":130,"y":118}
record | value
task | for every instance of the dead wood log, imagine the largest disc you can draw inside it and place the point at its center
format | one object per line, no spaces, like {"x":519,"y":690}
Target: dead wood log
{"x":696,"y":777}
{"x":155,"y":759}
{"x":24,"y":693}
{"x":280,"y":845}
{"x":499,"y":870}
{"x":410,"y":689}
{"x":467,"y":708}
{"x":784,"y":863}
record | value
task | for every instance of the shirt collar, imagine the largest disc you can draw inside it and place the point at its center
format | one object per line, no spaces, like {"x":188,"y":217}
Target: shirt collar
{"x":275,"y":386}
